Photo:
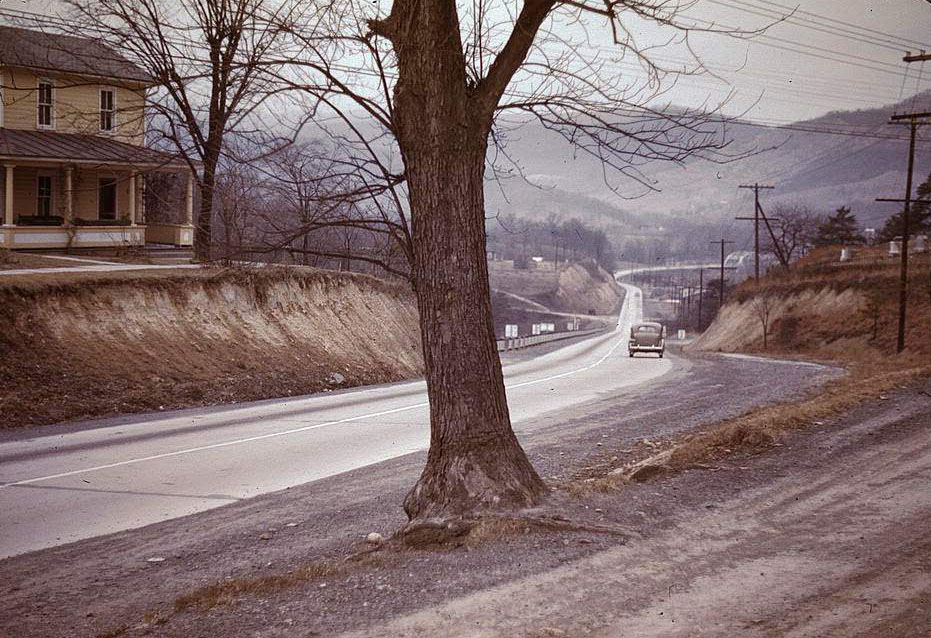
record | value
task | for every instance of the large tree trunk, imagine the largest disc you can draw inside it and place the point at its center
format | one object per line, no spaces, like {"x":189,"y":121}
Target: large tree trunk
{"x":203,"y":236}
{"x":475,"y":462}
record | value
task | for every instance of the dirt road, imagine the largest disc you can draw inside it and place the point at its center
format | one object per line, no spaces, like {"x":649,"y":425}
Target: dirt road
{"x":830,"y":537}
{"x":824,"y":536}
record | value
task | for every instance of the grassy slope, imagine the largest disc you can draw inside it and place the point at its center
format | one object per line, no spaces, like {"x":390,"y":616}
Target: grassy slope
{"x":825,"y":309}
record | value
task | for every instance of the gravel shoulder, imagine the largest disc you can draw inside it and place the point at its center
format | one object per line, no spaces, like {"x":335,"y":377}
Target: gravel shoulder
{"x":827,"y":537}
{"x":826,"y":521}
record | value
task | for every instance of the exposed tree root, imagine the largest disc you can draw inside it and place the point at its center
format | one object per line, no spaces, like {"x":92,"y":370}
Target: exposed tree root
{"x":438,"y":533}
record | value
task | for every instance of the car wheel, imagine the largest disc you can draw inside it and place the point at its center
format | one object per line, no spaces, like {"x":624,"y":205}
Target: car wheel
{"x":660,"y":355}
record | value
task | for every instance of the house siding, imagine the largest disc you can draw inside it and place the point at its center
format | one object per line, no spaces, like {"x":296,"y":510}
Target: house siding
{"x":19,"y":100}
{"x":76,"y":105}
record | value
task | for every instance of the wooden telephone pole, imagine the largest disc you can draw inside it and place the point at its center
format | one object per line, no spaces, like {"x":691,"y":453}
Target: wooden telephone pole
{"x":913,"y":120}
{"x":721,"y":292}
{"x":701,"y":295}
{"x":757,"y":210}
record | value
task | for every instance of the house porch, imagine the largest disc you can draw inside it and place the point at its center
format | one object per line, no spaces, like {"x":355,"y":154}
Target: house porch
{"x":64,"y":205}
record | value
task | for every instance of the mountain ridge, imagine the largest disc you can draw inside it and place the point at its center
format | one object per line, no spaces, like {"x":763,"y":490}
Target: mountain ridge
{"x":842,"y":158}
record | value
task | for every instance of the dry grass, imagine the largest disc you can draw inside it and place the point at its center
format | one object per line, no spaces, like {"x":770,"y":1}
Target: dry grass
{"x":843,"y":313}
{"x":230,"y":591}
{"x":830,"y":311}
{"x":10,"y":260}
{"x":539,"y":279}
{"x":114,"y":633}
{"x":760,"y":429}
{"x":58,"y":283}
{"x":490,"y":529}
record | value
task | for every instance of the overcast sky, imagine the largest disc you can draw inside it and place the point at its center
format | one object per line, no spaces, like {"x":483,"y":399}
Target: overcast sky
{"x":828,"y":55}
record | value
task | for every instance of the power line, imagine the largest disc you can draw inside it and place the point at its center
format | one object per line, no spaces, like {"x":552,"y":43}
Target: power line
{"x":840,"y":22}
{"x":821,"y":25}
{"x":829,"y":100}
{"x":849,"y":58}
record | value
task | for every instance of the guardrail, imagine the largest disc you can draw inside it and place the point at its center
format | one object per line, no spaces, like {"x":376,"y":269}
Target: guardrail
{"x":533,"y":340}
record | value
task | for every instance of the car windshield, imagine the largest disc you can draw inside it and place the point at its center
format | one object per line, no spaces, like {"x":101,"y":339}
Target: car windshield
{"x":653,"y":329}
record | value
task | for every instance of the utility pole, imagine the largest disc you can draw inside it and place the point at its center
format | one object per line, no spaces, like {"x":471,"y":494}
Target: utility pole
{"x":721,"y":293}
{"x":756,"y":226}
{"x":912,"y":119}
{"x":701,"y":295}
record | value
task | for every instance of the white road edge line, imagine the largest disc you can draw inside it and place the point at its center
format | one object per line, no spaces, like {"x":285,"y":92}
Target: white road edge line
{"x":292,"y":431}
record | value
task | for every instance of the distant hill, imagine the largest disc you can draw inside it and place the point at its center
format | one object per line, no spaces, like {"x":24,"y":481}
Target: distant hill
{"x":821,"y":170}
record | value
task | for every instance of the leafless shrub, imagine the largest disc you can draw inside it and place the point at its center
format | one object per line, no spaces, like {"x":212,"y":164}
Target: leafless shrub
{"x":763,"y":304}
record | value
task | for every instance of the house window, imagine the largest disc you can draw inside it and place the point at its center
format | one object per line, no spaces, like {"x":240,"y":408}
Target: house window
{"x":107,"y":110}
{"x":106,"y":198}
{"x":45,"y":104}
{"x":44,"y":195}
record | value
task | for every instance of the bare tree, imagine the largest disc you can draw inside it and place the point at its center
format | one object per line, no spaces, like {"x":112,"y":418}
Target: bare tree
{"x":327,"y":206}
{"x":238,"y":205}
{"x":793,"y":229}
{"x":204,"y":57}
{"x":875,"y":301}
{"x":418,"y":94}
{"x":763,"y":304}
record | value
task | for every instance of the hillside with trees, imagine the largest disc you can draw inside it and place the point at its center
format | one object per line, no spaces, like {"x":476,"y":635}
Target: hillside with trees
{"x":845,"y":158}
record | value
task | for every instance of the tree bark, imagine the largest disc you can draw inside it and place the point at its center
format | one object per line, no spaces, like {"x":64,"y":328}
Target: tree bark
{"x":203,"y":236}
{"x":475,"y":462}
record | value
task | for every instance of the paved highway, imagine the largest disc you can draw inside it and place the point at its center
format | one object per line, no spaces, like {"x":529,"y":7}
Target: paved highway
{"x":74,"y":482}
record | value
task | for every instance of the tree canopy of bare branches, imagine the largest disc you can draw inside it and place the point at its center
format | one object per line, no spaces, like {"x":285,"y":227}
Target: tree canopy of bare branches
{"x":793,"y":228}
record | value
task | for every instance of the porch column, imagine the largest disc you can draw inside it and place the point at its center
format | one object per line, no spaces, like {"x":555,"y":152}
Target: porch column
{"x":8,"y":199}
{"x":132,"y":199}
{"x":142,"y":197}
{"x":69,"y":194}
{"x":189,"y":201}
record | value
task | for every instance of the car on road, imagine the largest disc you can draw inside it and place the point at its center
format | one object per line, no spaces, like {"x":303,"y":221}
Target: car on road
{"x":647,"y":336}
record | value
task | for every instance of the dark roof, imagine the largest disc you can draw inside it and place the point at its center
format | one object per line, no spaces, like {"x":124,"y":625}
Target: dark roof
{"x":49,"y":145}
{"x":66,"y":54}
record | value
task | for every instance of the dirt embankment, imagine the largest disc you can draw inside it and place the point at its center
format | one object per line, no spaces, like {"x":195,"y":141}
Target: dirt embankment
{"x":116,"y":343}
{"x":835,"y":311}
{"x":587,"y":288}
{"x":523,"y":296}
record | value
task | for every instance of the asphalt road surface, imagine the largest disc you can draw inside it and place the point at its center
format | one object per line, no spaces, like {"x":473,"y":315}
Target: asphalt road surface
{"x":70,"y":482}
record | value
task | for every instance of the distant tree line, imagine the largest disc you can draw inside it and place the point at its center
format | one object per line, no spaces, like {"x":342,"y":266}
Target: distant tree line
{"x":797,"y":228}
{"x":512,"y":237}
